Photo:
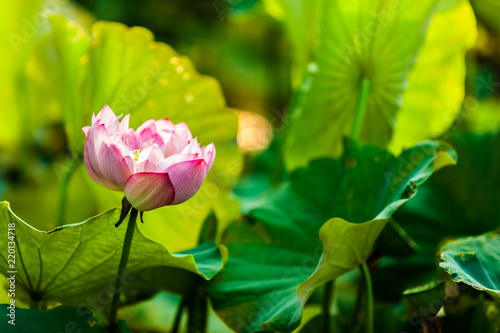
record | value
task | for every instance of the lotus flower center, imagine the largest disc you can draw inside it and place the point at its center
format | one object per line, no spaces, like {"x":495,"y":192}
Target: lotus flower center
{"x":136,"y":154}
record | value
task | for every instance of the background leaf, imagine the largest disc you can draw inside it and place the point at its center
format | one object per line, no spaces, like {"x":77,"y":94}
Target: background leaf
{"x":301,"y":19}
{"x":474,"y":261}
{"x":376,"y":41}
{"x":401,"y":109}
{"x":486,"y":9}
{"x":430,"y":109}
{"x":23,"y":24}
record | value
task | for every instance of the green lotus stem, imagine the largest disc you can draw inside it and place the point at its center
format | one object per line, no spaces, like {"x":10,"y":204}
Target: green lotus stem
{"x":325,"y":304}
{"x":369,"y":297}
{"x":360,"y":108}
{"x":129,"y":234}
{"x":178,"y":316}
{"x":197,"y":305}
{"x":73,"y":163}
{"x":357,"y":305}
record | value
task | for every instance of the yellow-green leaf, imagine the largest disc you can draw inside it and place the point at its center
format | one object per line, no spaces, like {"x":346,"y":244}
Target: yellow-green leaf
{"x":436,"y":82}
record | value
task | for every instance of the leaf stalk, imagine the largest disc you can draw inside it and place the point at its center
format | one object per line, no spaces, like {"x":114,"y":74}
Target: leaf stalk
{"x":127,"y":243}
{"x":369,"y":297}
{"x":361,"y":108}
{"x":325,"y":305}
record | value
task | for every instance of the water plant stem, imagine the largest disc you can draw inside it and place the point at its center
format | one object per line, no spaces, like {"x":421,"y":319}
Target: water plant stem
{"x":129,"y":234}
{"x":197,"y":305}
{"x":369,"y":297}
{"x":325,"y":305}
{"x":360,"y":108}
{"x":178,"y":316}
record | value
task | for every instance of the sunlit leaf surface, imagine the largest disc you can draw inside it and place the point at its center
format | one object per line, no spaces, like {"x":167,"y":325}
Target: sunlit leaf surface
{"x":301,"y":19}
{"x":436,"y":83}
{"x":23,"y":24}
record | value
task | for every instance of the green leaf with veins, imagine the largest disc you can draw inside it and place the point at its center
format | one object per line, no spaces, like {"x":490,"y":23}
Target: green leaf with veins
{"x":456,"y":202}
{"x":126,"y":69}
{"x":356,"y":46}
{"x":387,"y":45}
{"x":474,"y":261}
{"x":79,"y":262}
{"x":275,"y":250}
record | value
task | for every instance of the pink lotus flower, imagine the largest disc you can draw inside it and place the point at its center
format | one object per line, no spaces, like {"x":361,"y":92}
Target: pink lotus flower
{"x":157,"y":165}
